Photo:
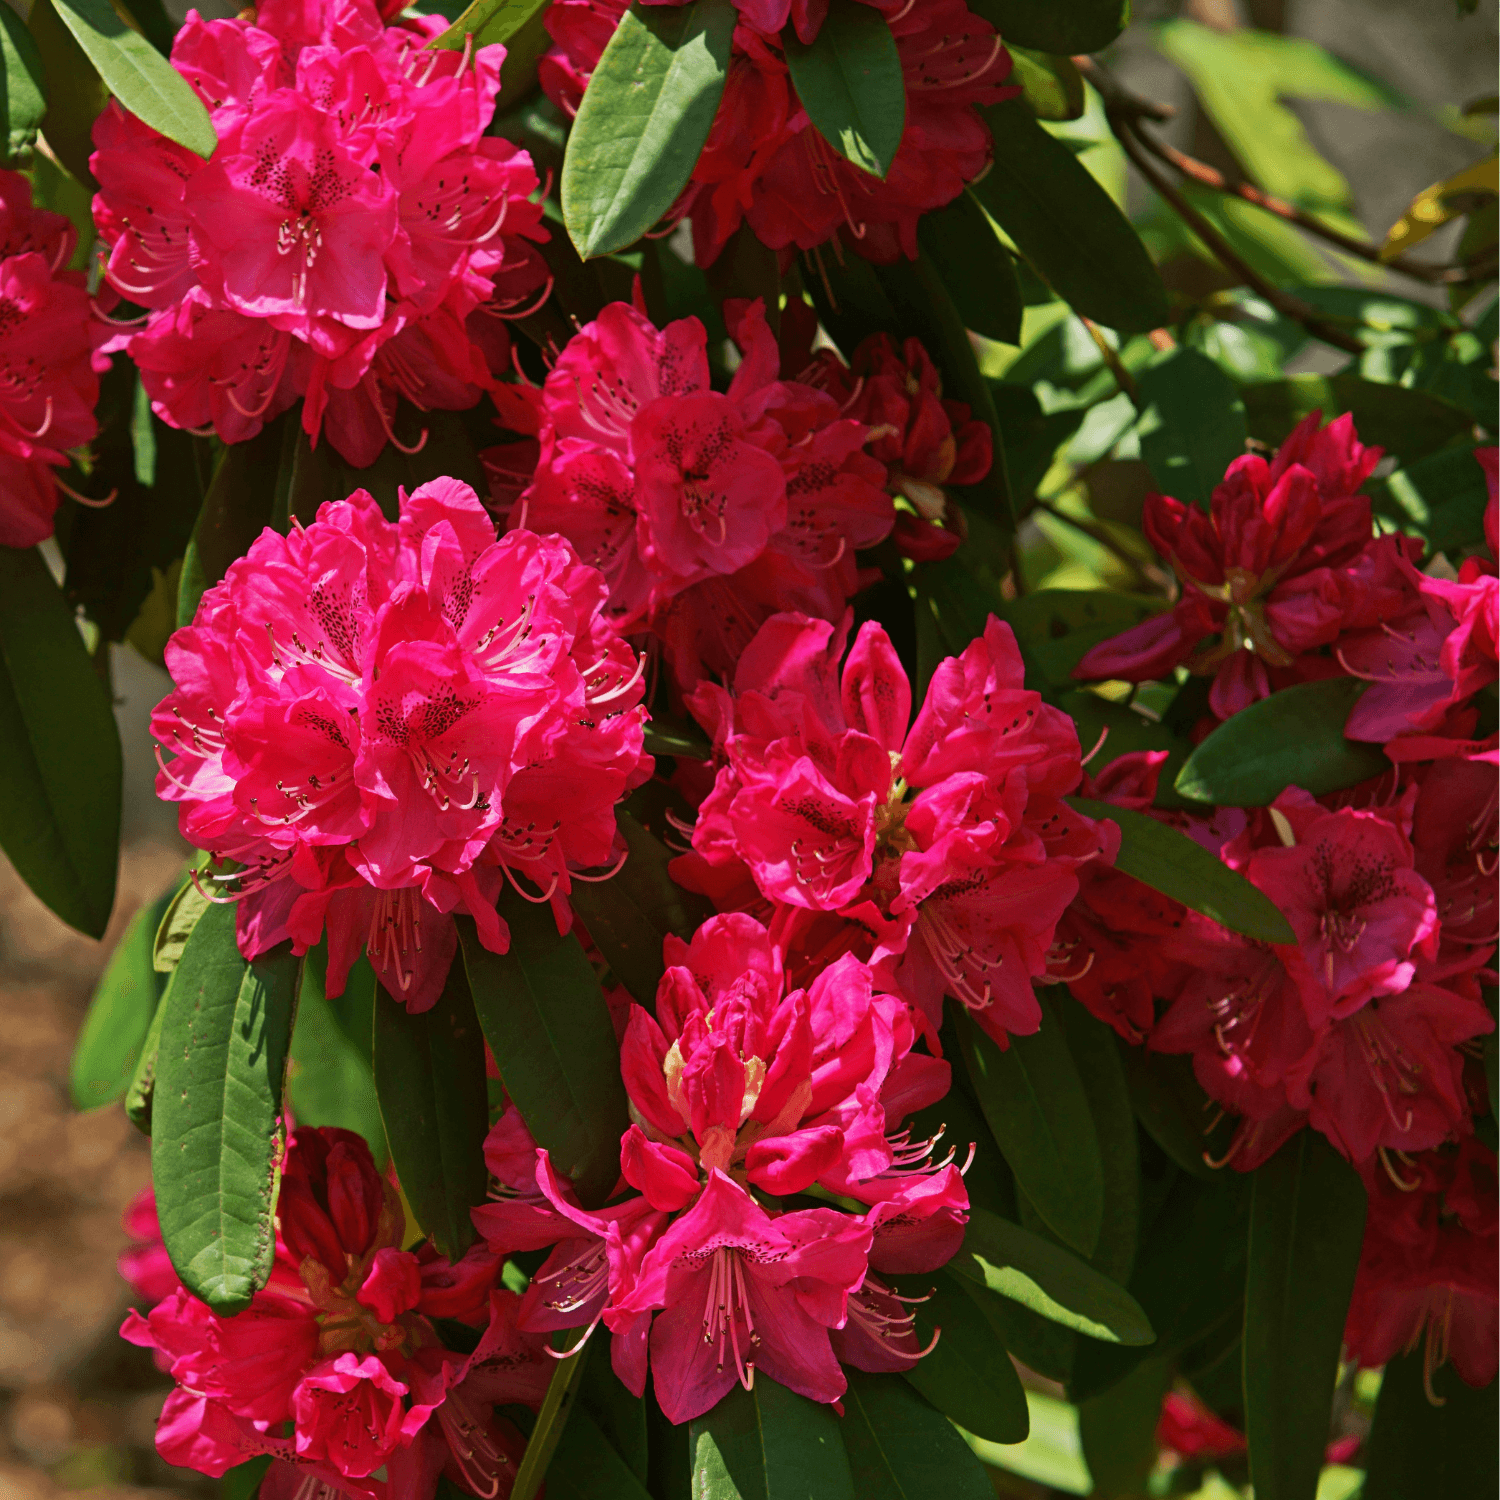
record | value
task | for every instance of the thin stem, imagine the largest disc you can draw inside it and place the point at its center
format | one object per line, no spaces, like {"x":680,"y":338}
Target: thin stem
{"x":1123,"y":378}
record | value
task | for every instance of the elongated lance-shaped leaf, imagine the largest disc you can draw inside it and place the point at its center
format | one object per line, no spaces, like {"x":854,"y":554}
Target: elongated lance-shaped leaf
{"x":60,"y":761}
{"x":142,"y":1085}
{"x":1293,"y":738}
{"x":850,"y":83}
{"x":976,"y":268}
{"x":429,"y":1080}
{"x":25,"y":86}
{"x":489,"y":21}
{"x":557,"y":1407}
{"x":588,"y":1466}
{"x":138,"y":75}
{"x":901,"y":1448}
{"x":1307,"y":1218}
{"x":1049,"y":1280}
{"x":216,"y":1110}
{"x":120,"y":1015}
{"x":548,"y":1026}
{"x":769,"y":1443}
{"x":1192,"y":424}
{"x":1034,"y":1101}
{"x":1047,"y":26}
{"x":1117,"y":1429}
{"x":644,"y":118}
{"x":1172,"y":863}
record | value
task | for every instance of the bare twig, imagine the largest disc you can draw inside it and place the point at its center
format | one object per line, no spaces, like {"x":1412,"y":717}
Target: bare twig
{"x":1123,"y":378}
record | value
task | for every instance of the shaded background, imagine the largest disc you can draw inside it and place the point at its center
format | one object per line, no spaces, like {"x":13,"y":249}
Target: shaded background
{"x":77,"y":1405}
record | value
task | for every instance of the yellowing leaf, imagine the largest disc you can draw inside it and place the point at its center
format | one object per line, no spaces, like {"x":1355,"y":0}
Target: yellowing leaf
{"x":1439,"y":204}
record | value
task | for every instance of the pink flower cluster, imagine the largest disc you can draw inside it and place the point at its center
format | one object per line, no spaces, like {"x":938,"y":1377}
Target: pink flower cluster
{"x":942,"y":852}
{"x":705,"y":511}
{"x":336,"y":1370}
{"x":352,"y":240}
{"x":49,"y":382}
{"x":766,"y":165}
{"x":379,"y":724}
{"x":744,"y":1094}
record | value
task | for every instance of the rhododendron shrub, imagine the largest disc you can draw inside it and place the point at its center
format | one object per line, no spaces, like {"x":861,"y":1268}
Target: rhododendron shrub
{"x":821,"y":815}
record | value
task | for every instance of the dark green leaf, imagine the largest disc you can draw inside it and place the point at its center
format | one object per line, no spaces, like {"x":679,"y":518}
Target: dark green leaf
{"x":958,"y":600}
{"x":557,"y":1408}
{"x":138,"y":75}
{"x":629,"y":914}
{"x":850,"y":83}
{"x":1293,"y":738}
{"x":900,"y":1448}
{"x":1168,"y":1102}
{"x":769,"y":1444}
{"x":243,"y":1481}
{"x":1192,"y":424}
{"x":665,"y":736}
{"x":1441,"y":498}
{"x":489,"y":21}
{"x":1034,"y":1101}
{"x":643,"y":120}
{"x":975,"y":267}
{"x":120,"y":1015}
{"x":967,"y":1374}
{"x":619,"y":1416}
{"x":216,"y":1108}
{"x":156,"y":25}
{"x":1307,"y":1218}
{"x":1118,"y":1430}
{"x":1065,"y":26}
{"x":75,"y":93}
{"x":545,"y":1019}
{"x":1040,"y":1344}
{"x":1406,"y":423}
{"x":1170,"y":862}
{"x":1051,"y":85}
{"x":1420,"y":1451}
{"x":1066,"y":225}
{"x":429,"y":1079}
{"x":587,"y":1466}
{"x":60,"y":761}
{"x":25,"y":89}
{"x":143,"y":1081}
{"x":1056,"y":628}
{"x":1049,"y":1280}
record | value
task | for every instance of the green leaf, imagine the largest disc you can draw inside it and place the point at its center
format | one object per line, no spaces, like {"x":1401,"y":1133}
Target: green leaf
{"x":1050,"y":26}
{"x":75,"y":95}
{"x":849,"y":81}
{"x":1118,"y":1430}
{"x":489,"y":21}
{"x":1406,"y":423}
{"x":667,"y":736}
{"x":143,"y":1081}
{"x":1034,"y":1101}
{"x":967,"y":1374}
{"x":545,"y":1019}
{"x":629,"y":914}
{"x":182,"y":912}
{"x":769,"y":1444}
{"x":1162,"y":1094}
{"x":1307,"y":1217}
{"x":1170,"y":862}
{"x":557,"y":1407}
{"x":243,"y":1481}
{"x":619,"y":1416}
{"x":1051,"y":85}
{"x":1192,"y":424}
{"x":1419,"y":1451}
{"x":429,"y":1079}
{"x":1293,"y":738}
{"x":216,"y":1107}
{"x":60,"y":761}
{"x":138,"y":75}
{"x":644,"y":118}
{"x":120,"y":1015}
{"x":1056,"y":628}
{"x":1441,"y":498}
{"x":25,"y":88}
{"x":900,"y":1448}
{"x":1049,"y":1280}
{"x":1066,"y":225}
{"x":976,"y":268}
{"x":587,"y":1466}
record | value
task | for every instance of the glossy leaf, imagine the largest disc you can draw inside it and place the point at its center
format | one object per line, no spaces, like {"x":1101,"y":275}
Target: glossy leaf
{"x":976,"y":268}
{"x":429,"y":1079}
{"x":142,"y":1087}
{"x":1118,"y":1430}
{"x":619,"y":1416}
{"x":24,"y":81}
{"x":667,"y":736}
{"x":180,"y":915}
{"x":1066,"y":225}
{"x":489,"y":21}
{"x":1065,"y":26}
{"x":849,"y":81}
{"x":1418,"y":1450}
{"x":1293,"y":738}
{"x":967,"y":1374}
{"x":243,"y":1481}
{"x":557,"y":1408}
{"x":1170,"y":862}
{"x":120,"y":1015}
{"x":60,"y":761}
{"x":1163,"y":1093}
{"x":769,"y":1444}
{"x":1048,"y":1279}
{"x":587,"y":1466}
{"x":1033,"y":1099}
{"x":545,"y":1019}
{"x":1407,"y":423}
{"x":1192,"y":424}
{"x":629,"y":914}
{"x":644,"y":118}
{"x":901,"y":1448}
{"x":1307,"y":1218}
{"x":1051,"y":85}
{"x":138,"y":75}
{"x":216,"y":1108}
